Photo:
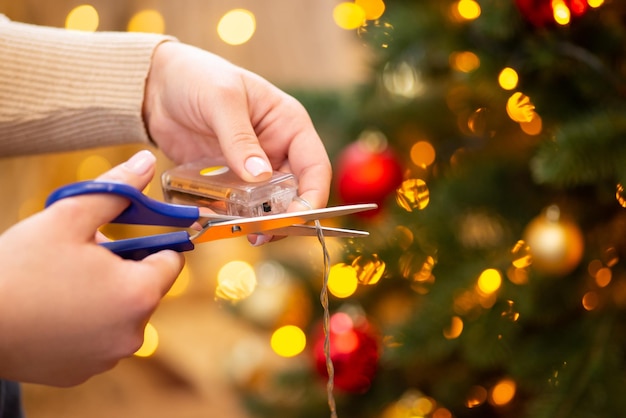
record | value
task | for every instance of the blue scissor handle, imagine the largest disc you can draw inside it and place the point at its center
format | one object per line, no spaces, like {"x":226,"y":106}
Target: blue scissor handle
{"x":141,"y":247}
{"x":142,"y":209}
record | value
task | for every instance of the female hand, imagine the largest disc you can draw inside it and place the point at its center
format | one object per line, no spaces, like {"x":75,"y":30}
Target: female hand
{"x":71,"y":308}
{"x":198,"y":104}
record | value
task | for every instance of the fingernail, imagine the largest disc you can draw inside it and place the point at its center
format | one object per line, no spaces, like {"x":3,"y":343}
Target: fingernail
{"x":261,"y":239}
{"x":257,"y":166}
{"x":141,"y":162}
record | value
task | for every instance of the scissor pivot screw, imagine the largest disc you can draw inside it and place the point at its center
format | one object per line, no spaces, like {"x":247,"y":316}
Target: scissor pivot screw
{"x":235,"y":229}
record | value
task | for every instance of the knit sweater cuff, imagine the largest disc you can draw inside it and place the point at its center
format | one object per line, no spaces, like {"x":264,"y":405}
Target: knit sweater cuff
{"x":65,"y":90}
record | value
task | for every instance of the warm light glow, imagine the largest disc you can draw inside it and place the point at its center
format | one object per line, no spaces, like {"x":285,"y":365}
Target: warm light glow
{"x":532,"y":127}
{"x":489,"y":281}
{"x":465,"y":61}
{"x":562,"y":14}
{"x":477,"y":396}
{"x":84,"y":17}
{"x":402,"y":80}
{"x":520,"y":108}
{"x":348,"y":15}
{"x":342,"y":280}
{"x":237,"y":26}
{"x":373,"y":9}
{"x":423,"y":154}
{"x":236,"y":281}
{"x":468,"y":9}
{"x":455,"y":329}
{"x":288,"y":341}
{"x":590,"y":301}
{"x":595,"y":3}
{"x":503,"y":392}
{"x":413,"y":194}
{"x":150,"y":21}
{"x":604,"y":277}
{"x":150,"y":341}
{"x":508,"y":78}
{"x":369,"y":269}
{"x":181,"y":284}
{"x":91,"y":167}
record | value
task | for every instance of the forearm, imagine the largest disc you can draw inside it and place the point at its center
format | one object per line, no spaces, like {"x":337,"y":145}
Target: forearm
{"x":65,"y":90}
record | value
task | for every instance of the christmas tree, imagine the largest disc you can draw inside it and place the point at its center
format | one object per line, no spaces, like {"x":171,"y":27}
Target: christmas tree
{"x":491,"y":134}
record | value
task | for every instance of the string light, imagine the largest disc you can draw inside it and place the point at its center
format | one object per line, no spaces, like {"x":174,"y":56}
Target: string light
{"x":342,"y":280}
{"x":468,"y":9}
{"x":236,"y":281}
{"x":503,"y":392}
{"x":508,"y":78}
{"x":288,"y":341}
{"x":237,"y":26}
{"x":349,"y":15}
{"x":150,"y":342}
{"x":149,"y":21}
{"x":489,"y":281}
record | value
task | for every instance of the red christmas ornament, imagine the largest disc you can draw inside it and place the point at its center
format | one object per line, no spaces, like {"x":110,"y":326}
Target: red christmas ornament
{"x":367,"y":173}
{"x":541,"y":12}
{"x":354,"y":351}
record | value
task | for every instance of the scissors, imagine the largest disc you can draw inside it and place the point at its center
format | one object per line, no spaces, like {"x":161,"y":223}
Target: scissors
{"x":144,"y":210}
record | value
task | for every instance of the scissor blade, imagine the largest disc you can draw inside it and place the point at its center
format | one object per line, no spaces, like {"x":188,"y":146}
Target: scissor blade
{"x":311,"y":231}
{"x":244,"y":226}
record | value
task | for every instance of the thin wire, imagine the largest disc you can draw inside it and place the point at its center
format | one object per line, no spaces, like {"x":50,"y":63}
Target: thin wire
{"x":330,"y":384}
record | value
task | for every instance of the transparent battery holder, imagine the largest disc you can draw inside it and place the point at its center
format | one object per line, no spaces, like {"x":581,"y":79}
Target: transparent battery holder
{"x":221,"y":190}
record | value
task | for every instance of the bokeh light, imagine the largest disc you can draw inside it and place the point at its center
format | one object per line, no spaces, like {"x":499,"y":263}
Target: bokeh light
{"x":468,"y":9}
{"x":590,"y":300}
{"x":595,"y":3}
{"x":402,"y":80}
{"x":181,"y":284}
{"x":149,"y":21}
{"x":522,"y":256}
{"x":508,"y":78}
{"x":534,"y":126}
{"x":288,"y":341}
{"x":477,"y":396}
{"x":562,"y":13}
{"x":84,"y":17}
{"x":489,"y":281}
{"x":503,"y":392}
{"x":342,"y":280}
{"x":150,"y":341}
{"x":455,"y":328}
{"x":349,"y":15}
{"x":520,"y":108}
{"x":422,"y":154}
{"x":91,"y":167}
{"x":237,"y":26}
{"x":236,"y":281}
{"x":465,"y":61}
{"x":368,"y":268}
{"x":413,"y":194}
{"x":373,"y":9}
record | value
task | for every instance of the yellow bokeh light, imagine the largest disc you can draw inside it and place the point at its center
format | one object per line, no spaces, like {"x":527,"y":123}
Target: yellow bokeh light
{"x":595,"y":3}
{"x":237,"y":26}
{"x":534,"y":126}
{"x":503,"y":392}
{"x":508,"y":78}
{"x":603,"y":277}
{"x":520,"y":108}
{"x":84,"y":17}
{"x":423,"y":154}
{"x":150,"y":341}
{"x":342,"y":280}
{"x":349,"y":15}
{"x":288,"y":341}
{"x":590,"y":301}
{"x":468,"y":9}
{"x":236,"y":281}
{"x":373,"y":9}
{"x":455,"y":329}
{"x":181,"y":284}
{"x":489,"y":281}
{"x":561,"y":12}
{"x":149,"y":20}
{"x":91,"y":167}
{"x":465,"y":61}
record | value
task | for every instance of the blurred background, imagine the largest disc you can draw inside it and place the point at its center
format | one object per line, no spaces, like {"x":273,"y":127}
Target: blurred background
{"x":490,"y":133}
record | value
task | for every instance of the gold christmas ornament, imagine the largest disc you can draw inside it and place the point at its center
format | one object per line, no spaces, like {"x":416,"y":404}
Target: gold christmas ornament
{"x":556,"y":244}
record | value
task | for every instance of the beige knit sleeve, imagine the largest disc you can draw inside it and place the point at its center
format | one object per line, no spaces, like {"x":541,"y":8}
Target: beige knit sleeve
{"x":65,"y":90}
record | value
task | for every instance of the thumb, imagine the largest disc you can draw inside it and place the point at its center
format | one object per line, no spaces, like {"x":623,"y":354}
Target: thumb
{"x":91,"y":211}
{"x":239,"y":143}
{"x":162,"y":269}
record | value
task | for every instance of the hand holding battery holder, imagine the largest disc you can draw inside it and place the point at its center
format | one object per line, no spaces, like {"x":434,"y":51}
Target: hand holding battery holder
{"x":236,"y":208}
